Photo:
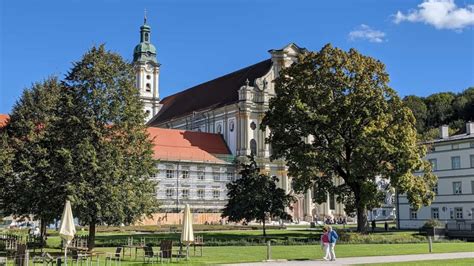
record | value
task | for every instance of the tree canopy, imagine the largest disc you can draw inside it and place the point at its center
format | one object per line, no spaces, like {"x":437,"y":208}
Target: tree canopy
{"x":444,"y":108}
{"x":101,"y":143}
{"x":256,"y":196}
{"x":334,"y":115}
{"x":32,"y":188}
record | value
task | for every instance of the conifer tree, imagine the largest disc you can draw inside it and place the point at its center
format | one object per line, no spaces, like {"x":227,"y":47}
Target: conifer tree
{"x":256,"y":196}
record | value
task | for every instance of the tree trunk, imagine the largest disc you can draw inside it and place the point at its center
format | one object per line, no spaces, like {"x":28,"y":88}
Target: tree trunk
{"x":264,"y":231}
{"x":361,"y":216}
{"x":43,"y":224}
{"x":91,"y":239}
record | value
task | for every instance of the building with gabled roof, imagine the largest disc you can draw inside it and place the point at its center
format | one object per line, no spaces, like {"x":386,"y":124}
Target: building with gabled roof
{"x":233,"y":106}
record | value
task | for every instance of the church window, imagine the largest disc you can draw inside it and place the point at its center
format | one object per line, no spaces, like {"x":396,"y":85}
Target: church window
{"x":200,"y":193}
{"x":148,"y":77}
{"x":200,"y":173}
{"x":216,"y":174}
{"x":169,"y":171}
{"x":185,"y":193}
{"x":253,"y":147}
{"x":230,"y":175}
{"x":185,"y":173}
{"x":332,"y":201}
{"x":253,"y":126}
{"x":148,"y":87}
{"x":219,"y":129}
{"x":231,"y":126}
{"x":169,"y":192}
{"x":146,"y":37}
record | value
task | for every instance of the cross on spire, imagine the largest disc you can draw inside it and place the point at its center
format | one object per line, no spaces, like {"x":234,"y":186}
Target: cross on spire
{"x":144,"y":18}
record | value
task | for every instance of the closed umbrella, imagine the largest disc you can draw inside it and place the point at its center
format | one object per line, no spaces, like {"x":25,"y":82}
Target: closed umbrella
{"x":67,"y":229}
{"x":187,"y":235}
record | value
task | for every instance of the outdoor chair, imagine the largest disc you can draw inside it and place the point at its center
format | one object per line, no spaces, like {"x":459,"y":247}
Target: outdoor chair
{"x":198,"y":241}
{"x":117,"y":256}
{"x":78,"y":257}
{"x":150,"y":255}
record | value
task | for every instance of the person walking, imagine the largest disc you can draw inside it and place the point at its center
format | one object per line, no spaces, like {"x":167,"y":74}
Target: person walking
{"x":325,"y":243}
{"x":332,"y":242}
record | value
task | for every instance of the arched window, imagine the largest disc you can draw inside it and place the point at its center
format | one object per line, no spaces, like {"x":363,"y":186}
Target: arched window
{"x":253,"y":147}
{"x":146,"y":37}
{"x":148,"y":87}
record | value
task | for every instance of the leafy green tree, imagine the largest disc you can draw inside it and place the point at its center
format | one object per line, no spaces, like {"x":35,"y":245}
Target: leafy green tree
{"x":32,"y":189}
{"x":102,"y":147}
{"x":334,"y":114}
{"x":463,"y":105}
{"x":419,"y":110}
{"x":255,"y":196}
{"x":440,"y":109}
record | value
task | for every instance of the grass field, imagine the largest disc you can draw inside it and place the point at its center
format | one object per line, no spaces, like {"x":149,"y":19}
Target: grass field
{"x":236,"y":254}
{"x":457,"y":262}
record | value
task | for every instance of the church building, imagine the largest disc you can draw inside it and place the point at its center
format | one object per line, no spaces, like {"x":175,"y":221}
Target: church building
{"x":231,"y":106}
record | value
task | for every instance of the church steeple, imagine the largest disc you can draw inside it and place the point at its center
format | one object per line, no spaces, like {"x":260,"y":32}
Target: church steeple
{"x":147,"y":70}
{"x":145,"y":51}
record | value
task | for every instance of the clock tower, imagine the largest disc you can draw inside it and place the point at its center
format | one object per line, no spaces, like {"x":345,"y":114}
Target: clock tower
{"x":147,"y":72}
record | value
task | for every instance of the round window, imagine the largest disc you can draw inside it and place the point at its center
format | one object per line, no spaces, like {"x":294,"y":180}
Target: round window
{"x":253,"y":126}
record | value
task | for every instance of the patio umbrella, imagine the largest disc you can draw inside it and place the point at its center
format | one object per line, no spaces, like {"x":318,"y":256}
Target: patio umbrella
{"x":67,"y":229}
{"x":187,"y":235}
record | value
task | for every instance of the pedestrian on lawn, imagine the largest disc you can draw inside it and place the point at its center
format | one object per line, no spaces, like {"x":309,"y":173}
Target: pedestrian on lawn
{"x":332,"y":242}
{"x":325,"y":243}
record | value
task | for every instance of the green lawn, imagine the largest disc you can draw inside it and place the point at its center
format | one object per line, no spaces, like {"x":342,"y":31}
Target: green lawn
{"x":235,"y":254}
{"x":458,"y":262}
{"x":249,"y":237}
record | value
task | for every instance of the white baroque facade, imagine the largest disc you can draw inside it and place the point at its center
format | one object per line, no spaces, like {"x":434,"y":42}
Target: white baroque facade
{"x":234,"y":106}
{"x":452,"y":159}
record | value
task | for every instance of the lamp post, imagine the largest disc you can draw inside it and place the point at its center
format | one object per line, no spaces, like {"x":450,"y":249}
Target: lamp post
{"x":177,"y":188}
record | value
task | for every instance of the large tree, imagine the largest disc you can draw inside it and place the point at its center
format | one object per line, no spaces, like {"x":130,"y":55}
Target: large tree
{"x":31,"y":188}
{"x":335,"y":115}
{"x":419,"y":110}
{"x":102,"y":147}
{"x":256,"y":196}
{"x":440,"y":108}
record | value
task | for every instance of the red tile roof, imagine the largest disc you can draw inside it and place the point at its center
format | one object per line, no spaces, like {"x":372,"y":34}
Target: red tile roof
{"x":181,"y":145}
{"x":4,"y":119}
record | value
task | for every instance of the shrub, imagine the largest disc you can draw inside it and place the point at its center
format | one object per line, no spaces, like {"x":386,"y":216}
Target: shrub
{"x":433,"y":223}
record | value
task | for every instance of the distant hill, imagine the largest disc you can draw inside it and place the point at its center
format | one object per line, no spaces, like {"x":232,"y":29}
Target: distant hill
{"x":444,"y":108}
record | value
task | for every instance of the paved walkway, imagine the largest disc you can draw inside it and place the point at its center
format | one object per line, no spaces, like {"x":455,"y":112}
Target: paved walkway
{"x":364,"y":260}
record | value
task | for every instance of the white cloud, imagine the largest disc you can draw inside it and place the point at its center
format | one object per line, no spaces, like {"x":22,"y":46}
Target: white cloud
{"x":442,"y":14}
{"x":364,"y":32}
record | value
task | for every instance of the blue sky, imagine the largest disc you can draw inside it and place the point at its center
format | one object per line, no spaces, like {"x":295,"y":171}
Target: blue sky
{"x":427,"y":45}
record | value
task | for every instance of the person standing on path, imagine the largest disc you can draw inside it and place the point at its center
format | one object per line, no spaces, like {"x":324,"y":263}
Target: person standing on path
{"x":325,"y":243}
{"x":332,"y":242}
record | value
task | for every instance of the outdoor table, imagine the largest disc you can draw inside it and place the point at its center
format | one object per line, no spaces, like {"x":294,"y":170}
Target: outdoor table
{"x":92,"y":254}
{"x":130,"y":248}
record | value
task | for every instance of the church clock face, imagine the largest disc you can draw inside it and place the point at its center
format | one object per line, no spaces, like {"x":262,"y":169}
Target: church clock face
{"x":149,"y":67}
